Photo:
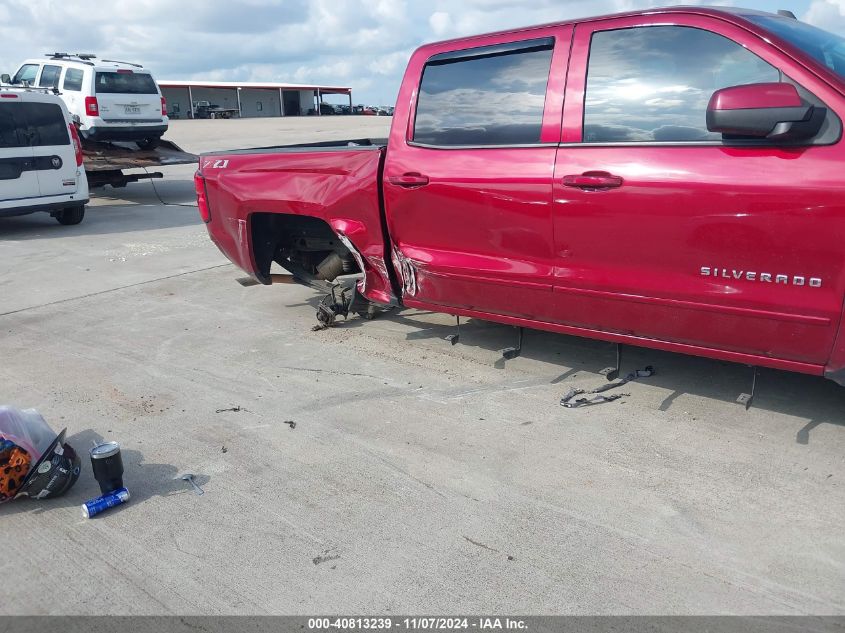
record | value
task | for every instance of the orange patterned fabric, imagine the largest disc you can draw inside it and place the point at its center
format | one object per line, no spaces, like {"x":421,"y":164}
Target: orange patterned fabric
{"x":14,"y":465}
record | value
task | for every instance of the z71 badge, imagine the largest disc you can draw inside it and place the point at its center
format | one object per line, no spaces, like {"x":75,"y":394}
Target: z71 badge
{"x":768,"y":278}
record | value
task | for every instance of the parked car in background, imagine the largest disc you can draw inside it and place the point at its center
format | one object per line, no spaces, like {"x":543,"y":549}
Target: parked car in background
{"x":40,"y":157}
{"x":208,"y":110}
{"x":114,"y":101}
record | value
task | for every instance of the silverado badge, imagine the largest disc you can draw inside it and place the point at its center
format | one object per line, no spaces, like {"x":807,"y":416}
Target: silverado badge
{"x":769,"y":278}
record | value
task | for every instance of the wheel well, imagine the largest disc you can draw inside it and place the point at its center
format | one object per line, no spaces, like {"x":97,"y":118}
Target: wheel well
{"x":298,"y":241}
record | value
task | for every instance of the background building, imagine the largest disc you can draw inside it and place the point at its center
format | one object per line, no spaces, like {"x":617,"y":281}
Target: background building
{"x":251,"y":99}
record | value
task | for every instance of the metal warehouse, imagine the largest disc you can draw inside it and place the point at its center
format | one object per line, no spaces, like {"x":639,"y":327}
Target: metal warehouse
{"x":250,"y":99}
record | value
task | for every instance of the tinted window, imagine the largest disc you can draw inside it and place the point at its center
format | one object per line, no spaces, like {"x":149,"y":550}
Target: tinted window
{"x":50,"y":77}
{"x":73,"y":79}
{"x":9,"y":126}
{"x":47,"y":122}
{"x":654,"y":83}
{"x":125,"y":83}
{"x":826,"y":47}
{"x":484,"y":99}
{"x":26,"y":74}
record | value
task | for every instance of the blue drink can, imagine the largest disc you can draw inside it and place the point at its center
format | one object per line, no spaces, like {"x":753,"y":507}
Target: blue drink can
{"x":93,"y":507}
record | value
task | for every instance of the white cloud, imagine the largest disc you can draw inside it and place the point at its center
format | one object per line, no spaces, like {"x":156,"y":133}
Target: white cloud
{"x":441,"y":22}
{"x":361,"y":43}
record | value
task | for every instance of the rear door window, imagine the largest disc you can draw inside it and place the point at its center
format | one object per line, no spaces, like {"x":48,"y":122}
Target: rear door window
{"x":47,"y":122}
{"x":491,"y":95}
{"x":50,"y":76}
{"x":10,"y":127}
{"x":73,"y":80}
{"x":26,"y":74}
{"x":125,"y":83}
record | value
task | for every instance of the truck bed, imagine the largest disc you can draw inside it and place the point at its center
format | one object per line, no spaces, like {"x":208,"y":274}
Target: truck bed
{"x":298,"y":204}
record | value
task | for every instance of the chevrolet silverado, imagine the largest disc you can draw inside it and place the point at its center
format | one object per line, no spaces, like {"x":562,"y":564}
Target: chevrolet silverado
{"x":669,"y":178}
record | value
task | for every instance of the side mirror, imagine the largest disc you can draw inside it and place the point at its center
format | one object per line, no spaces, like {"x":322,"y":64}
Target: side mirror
{"x":4,"y":78}
{"x":772,"y":111}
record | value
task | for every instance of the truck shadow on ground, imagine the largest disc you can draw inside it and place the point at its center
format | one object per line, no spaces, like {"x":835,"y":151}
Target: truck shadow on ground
{"x":143,"y":479}
{"x":817,"y":400}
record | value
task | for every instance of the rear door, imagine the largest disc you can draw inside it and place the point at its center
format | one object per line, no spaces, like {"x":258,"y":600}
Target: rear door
{"x":468,"y":183}
{"x":53,"y":153}
{"x":125,"y":96}
{"x":665,"y":231}
{"x":18,"y":180}
{"x":72,"y":83}
{"x":49,"y":77}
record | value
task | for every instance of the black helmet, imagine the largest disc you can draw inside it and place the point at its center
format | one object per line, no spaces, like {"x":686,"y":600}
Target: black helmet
{"x":53,"y":474}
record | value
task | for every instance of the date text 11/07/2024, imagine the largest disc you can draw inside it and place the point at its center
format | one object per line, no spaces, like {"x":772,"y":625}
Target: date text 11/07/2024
{"x":418,"y":624}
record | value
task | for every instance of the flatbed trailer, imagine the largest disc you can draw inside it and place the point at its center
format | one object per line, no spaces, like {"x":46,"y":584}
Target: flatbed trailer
{"x":105,"y":162}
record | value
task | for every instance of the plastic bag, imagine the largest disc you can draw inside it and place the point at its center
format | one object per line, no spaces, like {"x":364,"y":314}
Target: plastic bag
{"x":26,"y":429}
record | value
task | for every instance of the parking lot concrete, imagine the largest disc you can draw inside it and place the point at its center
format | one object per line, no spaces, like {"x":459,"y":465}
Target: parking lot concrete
{"x":372,"y":467}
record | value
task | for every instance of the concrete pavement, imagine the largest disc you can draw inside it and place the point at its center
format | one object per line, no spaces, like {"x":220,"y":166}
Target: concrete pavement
{"x":419,"y":477}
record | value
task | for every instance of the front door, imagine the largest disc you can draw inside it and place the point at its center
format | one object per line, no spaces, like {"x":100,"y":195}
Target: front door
{"x":468,"y":184}
{"x":664,"y":231}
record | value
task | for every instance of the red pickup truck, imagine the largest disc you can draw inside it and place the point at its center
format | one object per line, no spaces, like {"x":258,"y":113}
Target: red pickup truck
{"x":670,"y":178}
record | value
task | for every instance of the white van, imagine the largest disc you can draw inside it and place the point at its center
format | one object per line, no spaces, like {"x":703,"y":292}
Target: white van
{"x":114,"y":101}
{"x":40,"y":157}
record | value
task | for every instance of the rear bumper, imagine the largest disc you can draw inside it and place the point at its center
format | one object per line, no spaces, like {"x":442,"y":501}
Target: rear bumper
{"x":35,"y":208}
{"x":124,"y":132}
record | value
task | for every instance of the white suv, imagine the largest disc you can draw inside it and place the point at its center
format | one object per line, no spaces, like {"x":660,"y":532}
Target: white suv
{"x":114,"y":101}
{"x":40,"y":157}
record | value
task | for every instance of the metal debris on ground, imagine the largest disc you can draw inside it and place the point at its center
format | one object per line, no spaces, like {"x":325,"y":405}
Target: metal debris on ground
{"x":233,"y":409}
{"x":189,"y":477}
{"x":595,"y":396}
{"x":291,"y":424}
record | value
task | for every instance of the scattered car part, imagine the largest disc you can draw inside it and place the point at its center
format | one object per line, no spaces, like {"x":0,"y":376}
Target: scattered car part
{"x":189,"y":477}
{"x":597,"y":397}
{"x":232,"y":409}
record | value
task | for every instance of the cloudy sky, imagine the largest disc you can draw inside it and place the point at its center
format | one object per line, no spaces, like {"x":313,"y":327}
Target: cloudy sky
{"x":360,"y":43}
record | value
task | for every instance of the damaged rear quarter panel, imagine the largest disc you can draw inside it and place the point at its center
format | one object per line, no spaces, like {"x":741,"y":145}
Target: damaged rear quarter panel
{"x":339,"y":186}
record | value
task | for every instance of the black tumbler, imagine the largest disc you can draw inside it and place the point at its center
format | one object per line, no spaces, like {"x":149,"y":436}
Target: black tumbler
{"x":107,"y":466}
